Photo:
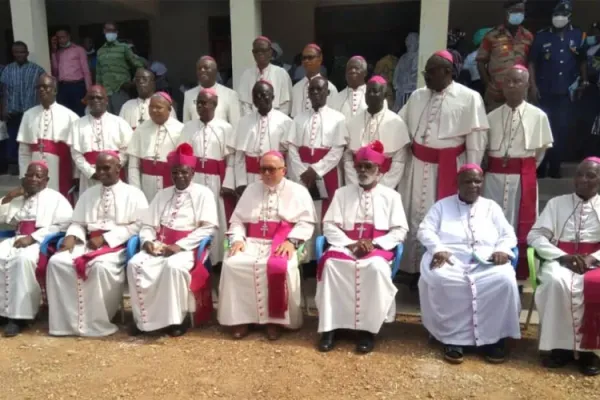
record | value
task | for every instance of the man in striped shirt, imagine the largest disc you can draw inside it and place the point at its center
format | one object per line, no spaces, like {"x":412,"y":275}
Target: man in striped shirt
{"x":18,"y":80}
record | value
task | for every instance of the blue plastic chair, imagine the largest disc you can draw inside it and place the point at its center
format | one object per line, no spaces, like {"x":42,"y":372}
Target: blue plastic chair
{"x":48,"y":240}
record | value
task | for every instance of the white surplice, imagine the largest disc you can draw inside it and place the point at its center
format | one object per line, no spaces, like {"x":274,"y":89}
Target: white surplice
{"x":256,"y":135}
{"x":469,"y":303}
{"x":20,"y":292}
{"x":214,"y":141}
{"x":349,"y":101}
{"x":559,"y":298}
{"x":277,"y":76}
{"x":300,"y":100}
{"x":85,"y":307}
{"x":522,"y":133}
{"x":338,"y":297}
{"x":136,"y":112}
{"x":387,"y":127}
{"x":243,"y":290}
{"x":89,"y":134}
{"x":39,"y":123}
{"x":228,"y":106}
{"x":448,"y":119}
{"x":151,"y":142}
{"x":160,"y":286}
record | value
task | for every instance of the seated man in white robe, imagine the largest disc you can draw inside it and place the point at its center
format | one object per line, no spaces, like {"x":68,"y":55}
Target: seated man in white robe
{"x":259,"y":132}
{"x":85,"y":279}
{"x":468,"y":290}
{"x":377,"y":122}
{"x":137,"y":111}
{"x":566,"y":237}
{"x":363,"y":225}
{"x":43,"y":136}
{"x":36,"y":211}
{"x":260,"y":280}
{"x":150,"y":144}
{"x":94,"y":133}
{"x":351,"y":100}
{"x":166,"y":279}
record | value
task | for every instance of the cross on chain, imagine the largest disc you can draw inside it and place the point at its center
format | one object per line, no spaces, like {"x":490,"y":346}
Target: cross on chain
{"x":361,"y":230}
{"x":264,"y":229}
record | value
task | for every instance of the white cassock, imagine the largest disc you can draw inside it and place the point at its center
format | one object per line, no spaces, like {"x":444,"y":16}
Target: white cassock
{"x":148,"y":149}
{"x":349,"y":101}
{"x":85,"y":307}
{"x":387,"y":127}
{"x":470,"y":303}
{"x":300,"y":100}
{"x":90,"y":136}
{"x":135,"y":112}
{"x":213,"y":147}
{"x":160,"y":286}
{"x":244,"y":288}
{"x":38,"y":216}
{"x":256,"y":135}
{"x":43,"y":135}
{"x":447,"y":129}
{"x":516,"y":144}
{"x":354,"y":214}
{"x":228,"y":106}
{"x":282,"y":87}
{"x":317,"y":140}
{"x":559,"y":298}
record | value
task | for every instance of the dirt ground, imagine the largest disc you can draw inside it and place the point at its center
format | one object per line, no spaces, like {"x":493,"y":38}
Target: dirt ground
{"x":206,"y":363}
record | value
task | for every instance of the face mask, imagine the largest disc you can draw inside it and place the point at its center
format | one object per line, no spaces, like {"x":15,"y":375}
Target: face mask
{"x":516,"y":18}
{"x":591,"y":40}
{"x":65,"y":45}
{"x":560,"y":21}
{"x":110,"y":36}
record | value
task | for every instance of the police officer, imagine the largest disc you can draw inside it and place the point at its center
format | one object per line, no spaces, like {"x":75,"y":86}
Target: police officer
{"x":556,"y":60}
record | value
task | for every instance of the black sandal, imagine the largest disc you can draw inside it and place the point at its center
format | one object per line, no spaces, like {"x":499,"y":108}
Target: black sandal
{"x":453,"y":354}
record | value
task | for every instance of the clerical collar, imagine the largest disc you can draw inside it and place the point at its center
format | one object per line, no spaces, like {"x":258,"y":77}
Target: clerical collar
{"x":462,"y":203}
{"x":360,"y":88}
{"x":111,"y":186}
{"x":207,"y":122}
{"x":378,"y":113}
{"x":98,"y":118}
{"x":519,"y":108}
{"x":277,"y":188}
{"x":50,"y":107}
{"x":590,"y":200}
{"x":319,"y":110}
{"x":362,"y":190}
{"x":187,"y":189}
{"x":450,"y":89}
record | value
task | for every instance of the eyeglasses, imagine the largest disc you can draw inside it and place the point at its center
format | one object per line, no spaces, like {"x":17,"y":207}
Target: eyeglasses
{"x":269,"y":170}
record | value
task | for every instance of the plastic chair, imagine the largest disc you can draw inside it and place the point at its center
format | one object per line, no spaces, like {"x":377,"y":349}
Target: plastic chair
{"x":48,"y":240}
{"x":531,"y":260}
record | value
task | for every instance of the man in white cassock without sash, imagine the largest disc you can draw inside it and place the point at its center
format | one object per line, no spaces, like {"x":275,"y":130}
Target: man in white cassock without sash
{"x":468,"y":291}
{"x":264,"y":70}
{"x":167,"y":279}
{"x":260,"y":280}
{"x":137,"y":111}
{"x":85,"y":279}
{"x":312,"y":58}
{"x":446,"y":122}
{"x":517,"y":141}
{"x":35,"y":211}
{"x":149,"y":146}
{"x":351,"y":100}
{"x":363,"y":226}
{"x":378,"y":123}
{"x":43,"y":135}
{"x":259,"y":132}
{"x":94,"y":133}
{"x":228,"y":108}
{"x":213,"y":142}
{"x":566,"y":238}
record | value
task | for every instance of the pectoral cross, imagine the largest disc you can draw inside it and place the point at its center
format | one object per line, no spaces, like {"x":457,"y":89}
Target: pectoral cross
{"x":504,"y":161}
{"x":141,"y":120}
{"x":264,"y":229}
{"x":155,"y":159}
{"x":361,"y":231}
{"x":161,"y":237}
{"x":203,"y":162}
{"x":41,"y":146}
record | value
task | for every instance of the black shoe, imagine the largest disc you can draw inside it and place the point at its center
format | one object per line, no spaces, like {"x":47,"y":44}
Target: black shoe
{"x":134,"y":330}
{"x":453,"y":354}
{"x":589,"y":364}
{"x":495,"y":353}
{"x":326,"y":342}
{"x":366,"y":343}
{"x":177,"y":330}
{"x":558,"y":358}
{"x":11,"y":329}
{"x":3,"y":321}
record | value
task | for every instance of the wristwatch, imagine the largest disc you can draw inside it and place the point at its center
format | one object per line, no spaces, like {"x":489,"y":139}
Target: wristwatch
{"x":295,"y":242}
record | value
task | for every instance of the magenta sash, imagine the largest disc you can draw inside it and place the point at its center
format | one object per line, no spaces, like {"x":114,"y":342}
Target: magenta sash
{"x":211,"y":166}
{"x":157,"y":168}
{"x":65,"y":164}
{"x":81,"y":262}
{"x":330,"y":179}
{"x":364,"y":231}
{"x":252,"y":164}
{"x":276,"y":265}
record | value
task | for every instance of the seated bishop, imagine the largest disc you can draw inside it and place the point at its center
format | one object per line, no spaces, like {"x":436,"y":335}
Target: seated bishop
{"x":363,"y":225}
{"x":167,"y":278}
{"x":36,"y":211}
{"x":150,"y":144}
{"x":260,"y":280}
{"x":86,"y":277}
{"x":468,"y":289}
{"x":566,"y":237}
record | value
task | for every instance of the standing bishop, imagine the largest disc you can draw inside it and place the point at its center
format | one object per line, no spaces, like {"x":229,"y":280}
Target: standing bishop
{"x":351,"y":100}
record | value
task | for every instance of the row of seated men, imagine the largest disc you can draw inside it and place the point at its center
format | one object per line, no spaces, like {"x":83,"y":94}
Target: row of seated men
{"x":468,"y":290}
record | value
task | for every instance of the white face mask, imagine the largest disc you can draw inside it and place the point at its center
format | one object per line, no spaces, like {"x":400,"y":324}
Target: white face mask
{"x":560,"y":21}
{"x":110,"y":36}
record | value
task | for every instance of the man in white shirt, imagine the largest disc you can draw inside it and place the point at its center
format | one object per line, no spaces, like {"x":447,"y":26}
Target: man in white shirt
{"x":264,"y":70}
{"x":229,"y":103}
{"x":351,"y":100}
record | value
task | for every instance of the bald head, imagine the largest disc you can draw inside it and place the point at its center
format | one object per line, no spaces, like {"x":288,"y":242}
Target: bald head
{"x":144,"y":82}
{"x":108,"y":167}
{"x":273,"y":158}
{"x":206,"y":71}
{"x":35,"y":178}
{"x":587,"y":178}
{"x":206,"y":104}
{"x":516,"y":86}
{"x":46,"y":89}
{"x":318,"y":90}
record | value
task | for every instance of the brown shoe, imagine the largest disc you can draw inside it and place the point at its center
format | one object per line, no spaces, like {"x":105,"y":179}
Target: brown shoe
{"x":273,"y":332}
{"x":240,"y":331}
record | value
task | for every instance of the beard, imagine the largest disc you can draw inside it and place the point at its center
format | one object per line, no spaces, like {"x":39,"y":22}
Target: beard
{"x":367,"y":180}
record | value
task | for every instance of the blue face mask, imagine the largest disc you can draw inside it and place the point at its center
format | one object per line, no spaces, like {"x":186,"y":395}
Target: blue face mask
{"x":111,"y":36}
{"x":591,"y":40}
{"x":516,"y":18}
